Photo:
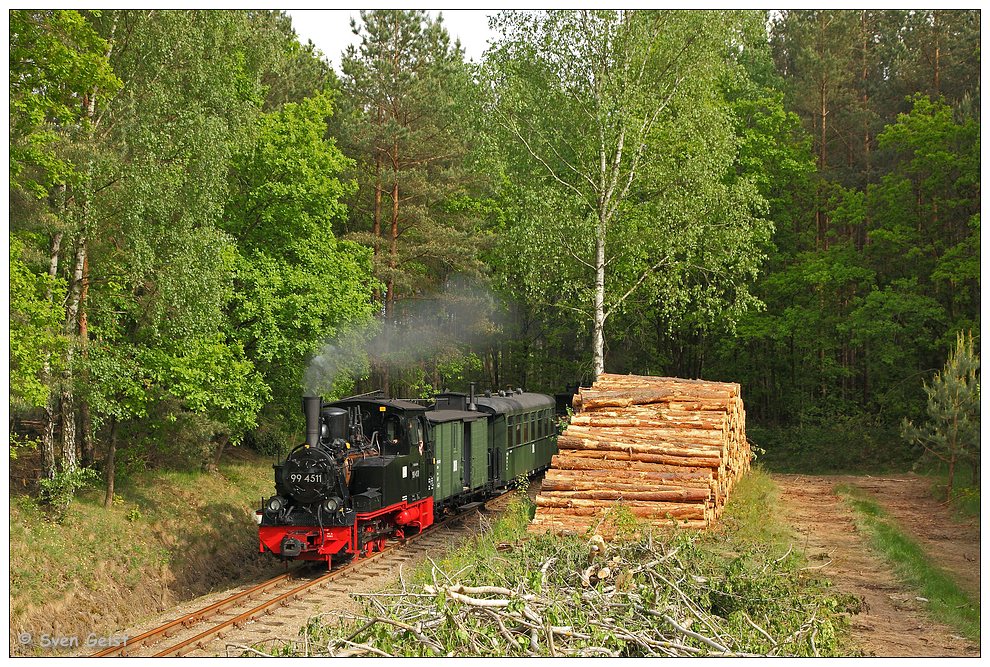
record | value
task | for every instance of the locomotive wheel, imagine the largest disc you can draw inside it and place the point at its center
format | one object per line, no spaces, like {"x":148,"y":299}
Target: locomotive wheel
{"x":369,"y":548}
{"x":380,"y":544}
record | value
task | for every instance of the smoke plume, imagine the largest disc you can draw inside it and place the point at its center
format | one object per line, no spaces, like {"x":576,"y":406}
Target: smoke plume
{"x":420,"y":329}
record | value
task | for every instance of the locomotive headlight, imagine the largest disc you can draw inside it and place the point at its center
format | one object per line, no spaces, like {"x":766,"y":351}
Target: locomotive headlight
{"x":331,"y":505}
{"x":275,"y":504}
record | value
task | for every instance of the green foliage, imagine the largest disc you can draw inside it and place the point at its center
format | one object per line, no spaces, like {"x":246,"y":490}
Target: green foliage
{"x":18,"y":443}
{"x":197,"y":159}
{"x":410,"y":117}
{"x":952,"y":430}
{"x":296,"y":285}
{"x":875,"y":268}
{"x":139,"y":143}
{"x":35,"y":328}
{"x":58,"y":490}
{"x":944,"y":601}
{"x":582,"y":183}
{"x":850,"y":444}
{"x":57,"y":60}
{"x":268,"y":440}
{"x":211,"y":378}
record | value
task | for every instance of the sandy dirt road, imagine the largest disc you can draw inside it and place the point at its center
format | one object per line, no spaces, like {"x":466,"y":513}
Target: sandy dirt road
{"x":892,"y":622}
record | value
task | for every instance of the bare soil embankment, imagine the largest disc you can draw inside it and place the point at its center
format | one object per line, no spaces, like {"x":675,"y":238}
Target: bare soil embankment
{"x":171,"y":536}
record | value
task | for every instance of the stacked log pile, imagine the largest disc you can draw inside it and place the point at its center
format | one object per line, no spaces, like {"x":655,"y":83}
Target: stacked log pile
{"x":666,"y":448}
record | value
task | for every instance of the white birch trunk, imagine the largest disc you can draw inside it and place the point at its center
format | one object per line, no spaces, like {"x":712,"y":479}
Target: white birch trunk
{"x":598,"y":335}
{"x":51,"y":405}
{"x":69,"y":460}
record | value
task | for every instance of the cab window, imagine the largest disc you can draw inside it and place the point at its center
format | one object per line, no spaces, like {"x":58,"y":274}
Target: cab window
{"x":415,"y":439}
{"x":392,"y":434}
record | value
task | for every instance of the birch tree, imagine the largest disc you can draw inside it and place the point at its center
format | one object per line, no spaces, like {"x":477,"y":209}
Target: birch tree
{"x":613,"y":117}
{"x":59,"y":66}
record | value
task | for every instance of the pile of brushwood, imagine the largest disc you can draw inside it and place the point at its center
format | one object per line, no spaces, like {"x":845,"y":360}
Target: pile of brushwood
{"x":657,"y":592}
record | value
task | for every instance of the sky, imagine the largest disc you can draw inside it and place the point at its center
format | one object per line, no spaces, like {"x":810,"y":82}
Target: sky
{"x":330,"y":29}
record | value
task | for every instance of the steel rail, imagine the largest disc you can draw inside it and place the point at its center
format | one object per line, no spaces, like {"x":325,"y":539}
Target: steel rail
{"x":203,"y":638}
{"x":195,"y":617}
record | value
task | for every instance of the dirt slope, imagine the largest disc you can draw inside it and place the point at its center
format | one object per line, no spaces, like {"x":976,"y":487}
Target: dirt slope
{"x":892,"y":622}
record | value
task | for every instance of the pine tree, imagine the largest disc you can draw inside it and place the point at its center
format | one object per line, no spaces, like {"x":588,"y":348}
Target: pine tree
{"x":952,"y":433}
{"x":406,"y":118}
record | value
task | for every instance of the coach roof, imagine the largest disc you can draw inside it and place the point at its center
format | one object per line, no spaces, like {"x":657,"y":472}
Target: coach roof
{"x":512,"y":404}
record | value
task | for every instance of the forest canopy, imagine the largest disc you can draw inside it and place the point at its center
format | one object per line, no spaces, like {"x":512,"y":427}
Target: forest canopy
{"x":200,"y":206}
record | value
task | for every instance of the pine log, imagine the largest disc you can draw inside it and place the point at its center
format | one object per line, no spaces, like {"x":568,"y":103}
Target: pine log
{"x":703,"y":487}
{"x":623,"y":454}
{"x":633,"y":476}
{"x":567,"y":460}
{"x":660,"y":495}
{"x":697,"y":457}
{"x":654,"y":420}
{"x":651,"y":433}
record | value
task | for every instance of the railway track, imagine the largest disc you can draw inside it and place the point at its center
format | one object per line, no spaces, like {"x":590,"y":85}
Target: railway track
{"x":258,"y":601}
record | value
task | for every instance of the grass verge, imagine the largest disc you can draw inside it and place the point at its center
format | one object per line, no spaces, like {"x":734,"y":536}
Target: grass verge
{"x":737,"y":590}
{"x":947,"y":602}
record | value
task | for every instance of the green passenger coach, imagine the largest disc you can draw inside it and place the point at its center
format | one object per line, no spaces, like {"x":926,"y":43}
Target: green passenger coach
{"x":522,"y":432}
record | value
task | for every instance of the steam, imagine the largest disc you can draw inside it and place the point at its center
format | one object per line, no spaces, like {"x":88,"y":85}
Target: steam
{"x":421,"y":329}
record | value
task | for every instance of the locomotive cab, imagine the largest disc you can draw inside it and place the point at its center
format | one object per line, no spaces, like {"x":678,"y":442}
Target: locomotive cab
{"x":398,"y":475}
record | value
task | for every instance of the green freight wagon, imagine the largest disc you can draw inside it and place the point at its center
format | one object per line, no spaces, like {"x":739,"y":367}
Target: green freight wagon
{"x":460,"y":448}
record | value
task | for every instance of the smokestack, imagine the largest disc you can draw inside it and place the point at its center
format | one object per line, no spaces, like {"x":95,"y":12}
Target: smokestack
{"x":471,"y":406}
{"x":311,"y":408}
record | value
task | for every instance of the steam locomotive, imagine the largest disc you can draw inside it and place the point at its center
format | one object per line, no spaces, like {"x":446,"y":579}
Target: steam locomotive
{"x":373,"y":469}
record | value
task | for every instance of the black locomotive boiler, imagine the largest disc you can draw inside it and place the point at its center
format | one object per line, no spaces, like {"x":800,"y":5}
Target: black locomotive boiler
{"x":374,"y":469}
